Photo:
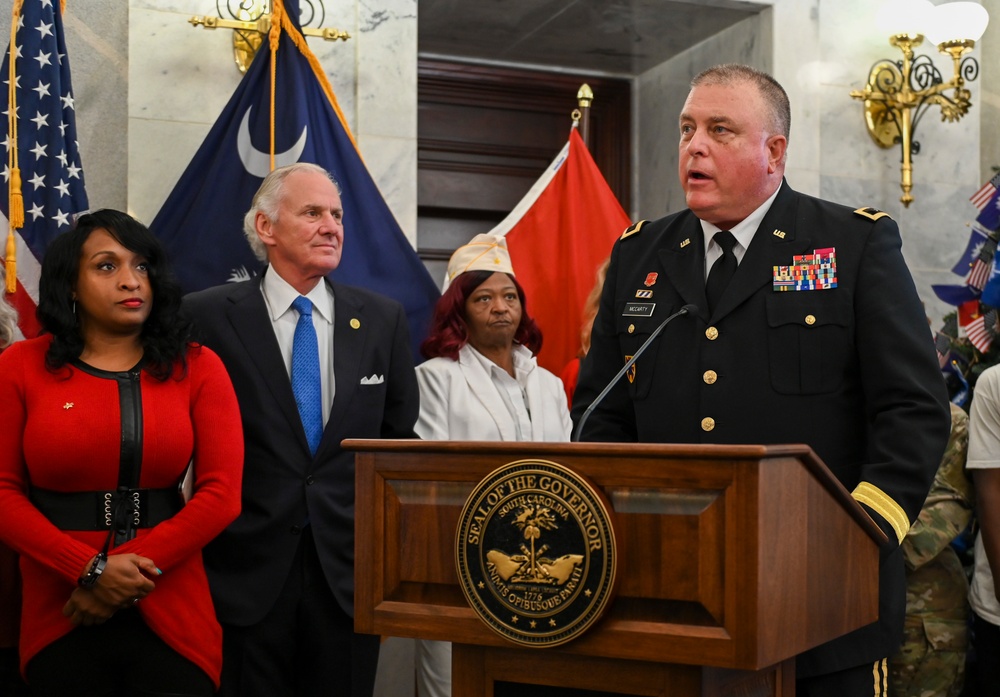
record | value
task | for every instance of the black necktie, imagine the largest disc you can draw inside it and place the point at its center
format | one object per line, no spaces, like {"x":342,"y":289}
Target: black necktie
{"x":722,"y":270}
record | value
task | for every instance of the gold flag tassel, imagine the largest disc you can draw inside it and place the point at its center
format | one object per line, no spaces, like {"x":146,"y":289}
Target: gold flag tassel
{"x":15,"y":208}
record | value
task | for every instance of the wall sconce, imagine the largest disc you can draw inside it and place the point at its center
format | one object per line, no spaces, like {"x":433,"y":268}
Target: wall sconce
{"x":250,"y":21}
{"x":899,"y":92}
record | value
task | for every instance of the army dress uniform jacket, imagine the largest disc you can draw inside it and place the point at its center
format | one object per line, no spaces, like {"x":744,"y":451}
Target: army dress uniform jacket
{"x":849,"y":370}
{"x":283,"y":484}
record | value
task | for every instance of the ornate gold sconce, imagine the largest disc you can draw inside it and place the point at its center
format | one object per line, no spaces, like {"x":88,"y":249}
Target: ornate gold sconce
{"x":250,"y":21}
{"x":899,"y":92}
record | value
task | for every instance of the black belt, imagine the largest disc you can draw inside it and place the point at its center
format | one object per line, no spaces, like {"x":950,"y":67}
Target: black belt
{"x":101,"y":510}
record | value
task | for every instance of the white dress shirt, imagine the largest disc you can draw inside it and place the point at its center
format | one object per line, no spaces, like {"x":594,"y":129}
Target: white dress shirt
{"x":742,"y":231}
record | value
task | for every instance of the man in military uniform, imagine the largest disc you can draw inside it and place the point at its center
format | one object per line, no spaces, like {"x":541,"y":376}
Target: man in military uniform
{"x":808,"y":330}
{"x":931,"y":662}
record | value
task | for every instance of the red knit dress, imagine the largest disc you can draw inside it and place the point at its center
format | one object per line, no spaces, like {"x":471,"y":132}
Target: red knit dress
{"x":62,"y":431}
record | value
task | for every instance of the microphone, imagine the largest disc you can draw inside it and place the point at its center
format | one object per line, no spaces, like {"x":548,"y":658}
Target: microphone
{"x":686,"y":310}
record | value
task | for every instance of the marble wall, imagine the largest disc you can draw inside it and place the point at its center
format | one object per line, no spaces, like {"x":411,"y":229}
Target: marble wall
{"x":820,"y":51}
{"x":989,"y":94}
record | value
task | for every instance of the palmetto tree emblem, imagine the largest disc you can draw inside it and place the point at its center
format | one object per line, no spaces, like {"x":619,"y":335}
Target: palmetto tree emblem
{"x":531,"y":521}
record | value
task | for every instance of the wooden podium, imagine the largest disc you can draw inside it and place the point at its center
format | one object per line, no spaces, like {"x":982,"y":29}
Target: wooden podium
{"x":732,"y":560}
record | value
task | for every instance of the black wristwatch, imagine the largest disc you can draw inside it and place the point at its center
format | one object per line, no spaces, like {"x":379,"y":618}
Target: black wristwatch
{"x":96,"y":569}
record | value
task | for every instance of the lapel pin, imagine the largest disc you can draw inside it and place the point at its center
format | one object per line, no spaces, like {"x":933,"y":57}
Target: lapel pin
{"x":780,"y":234}
{"x":650,"y":279}
{"x":355,"y":324}
{"x":685,"y":243}
{"x":68,"y":405}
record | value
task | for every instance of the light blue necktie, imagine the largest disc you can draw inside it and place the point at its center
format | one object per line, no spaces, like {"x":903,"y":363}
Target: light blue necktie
{"x":306,"y":381}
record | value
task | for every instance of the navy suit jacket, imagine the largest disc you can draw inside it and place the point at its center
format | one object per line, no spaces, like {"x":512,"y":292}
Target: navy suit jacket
{"x":850,"y":371}
{"x":283,"y":485}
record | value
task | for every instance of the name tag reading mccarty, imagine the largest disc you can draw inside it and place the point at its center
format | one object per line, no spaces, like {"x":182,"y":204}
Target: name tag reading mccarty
{"x":638,"y":309}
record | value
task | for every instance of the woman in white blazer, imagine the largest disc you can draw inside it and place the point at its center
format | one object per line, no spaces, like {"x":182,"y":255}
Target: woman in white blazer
{"x":481,"y":382}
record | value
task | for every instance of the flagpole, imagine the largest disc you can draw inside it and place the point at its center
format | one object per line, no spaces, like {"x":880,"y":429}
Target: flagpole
{"x":584,"y":98}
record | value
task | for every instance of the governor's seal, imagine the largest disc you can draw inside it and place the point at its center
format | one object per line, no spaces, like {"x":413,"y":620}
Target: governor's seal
{"x":536,"y":553}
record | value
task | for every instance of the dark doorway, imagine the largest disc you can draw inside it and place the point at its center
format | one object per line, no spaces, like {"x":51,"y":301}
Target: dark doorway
{"x":485,"y":134}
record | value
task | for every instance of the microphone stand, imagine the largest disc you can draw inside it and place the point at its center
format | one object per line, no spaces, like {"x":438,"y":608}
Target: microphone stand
{"x":686,"y":310}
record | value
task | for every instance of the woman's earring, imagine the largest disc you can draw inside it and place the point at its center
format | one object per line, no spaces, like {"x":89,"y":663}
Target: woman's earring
{"x":74,"y":308}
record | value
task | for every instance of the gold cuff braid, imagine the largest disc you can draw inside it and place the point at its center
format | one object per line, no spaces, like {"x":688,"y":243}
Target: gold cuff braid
{"x":885,"y":506}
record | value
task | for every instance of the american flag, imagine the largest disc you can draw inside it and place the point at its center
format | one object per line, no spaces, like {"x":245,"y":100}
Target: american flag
{"x":986,"y":191}
{"x":983,"y":264}
{"x":982,"y":330}
{"x":47,"y":150}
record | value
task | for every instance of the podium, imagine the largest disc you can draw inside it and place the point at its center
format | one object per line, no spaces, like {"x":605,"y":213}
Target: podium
{"x":731,"y":561}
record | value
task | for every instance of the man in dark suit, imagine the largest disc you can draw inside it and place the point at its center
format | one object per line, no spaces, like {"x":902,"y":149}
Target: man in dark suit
{"x":282,"y":575}
{"x":808,"y":330}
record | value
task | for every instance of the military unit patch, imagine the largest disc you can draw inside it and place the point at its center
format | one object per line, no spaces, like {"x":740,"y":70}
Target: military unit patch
{"x":816,"y":271}
{"x":643,"y":293}
{"x":650,"y":279}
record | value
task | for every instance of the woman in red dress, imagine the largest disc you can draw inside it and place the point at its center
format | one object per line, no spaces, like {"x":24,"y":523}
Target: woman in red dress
{"x":101,"y":417}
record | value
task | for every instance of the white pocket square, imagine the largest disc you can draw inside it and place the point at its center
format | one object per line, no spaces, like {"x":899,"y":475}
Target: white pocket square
{"x":373,"y":380}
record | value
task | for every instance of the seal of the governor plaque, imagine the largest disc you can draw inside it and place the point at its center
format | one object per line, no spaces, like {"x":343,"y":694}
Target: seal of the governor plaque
{"x":536,"y":553}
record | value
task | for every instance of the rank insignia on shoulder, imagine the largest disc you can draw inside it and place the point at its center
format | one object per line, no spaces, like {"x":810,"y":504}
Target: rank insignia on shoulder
{"x":633,"y":229}
{"x":871,"y":213}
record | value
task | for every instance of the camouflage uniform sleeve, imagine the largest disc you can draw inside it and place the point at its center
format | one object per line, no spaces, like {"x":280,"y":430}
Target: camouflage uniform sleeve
{"x":948,"y":508}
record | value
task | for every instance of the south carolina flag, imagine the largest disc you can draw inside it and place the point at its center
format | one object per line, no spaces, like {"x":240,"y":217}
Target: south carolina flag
{"x":558,"y":235}
{"x":201,"y":222}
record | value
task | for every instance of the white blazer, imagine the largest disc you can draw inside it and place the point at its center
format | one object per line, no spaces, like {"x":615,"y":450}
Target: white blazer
{"x":458,"y":401}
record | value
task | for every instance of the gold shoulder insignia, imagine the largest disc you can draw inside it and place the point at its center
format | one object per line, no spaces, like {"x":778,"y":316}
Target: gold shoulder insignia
{"x":633,"y":229}
{"x":871,"y":213}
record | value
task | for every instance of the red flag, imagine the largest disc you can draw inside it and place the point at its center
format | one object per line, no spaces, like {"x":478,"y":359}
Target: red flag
{"x":968,"y":312}
{"x":558,"y":235}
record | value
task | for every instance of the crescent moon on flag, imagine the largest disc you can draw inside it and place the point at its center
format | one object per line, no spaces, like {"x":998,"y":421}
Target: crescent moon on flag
{"x":257,"y":162}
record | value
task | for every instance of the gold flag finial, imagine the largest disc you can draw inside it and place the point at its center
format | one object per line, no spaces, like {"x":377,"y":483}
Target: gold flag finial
{"x":584,"y":95}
